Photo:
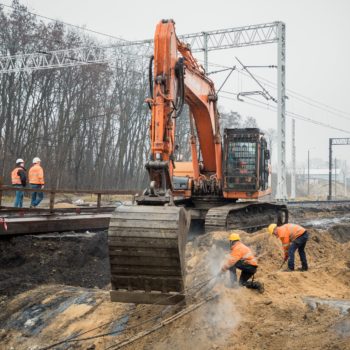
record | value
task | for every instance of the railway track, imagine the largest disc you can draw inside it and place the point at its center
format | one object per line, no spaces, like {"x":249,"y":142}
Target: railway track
{"x":324,"y":202}
{"x":15,"y":221}
{"x":24,"y":221}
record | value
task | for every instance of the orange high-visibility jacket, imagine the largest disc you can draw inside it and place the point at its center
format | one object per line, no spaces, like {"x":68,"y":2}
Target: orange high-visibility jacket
{"x":288,"y":233}
{"x":239,"y":251}
{"x":15,"y":178}
{"x":36,"y":175}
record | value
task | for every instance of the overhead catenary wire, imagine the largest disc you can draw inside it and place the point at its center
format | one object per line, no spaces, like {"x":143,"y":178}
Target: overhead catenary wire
{"x":64,"y":23}
{"x":313,"y":102}
{"x":228,"y":75}
{"x":266,"y":93}
{"x":288,"y":113}
{"x":307,"y":100}
{"x":301,"y":97}
{"x":292,"y":93}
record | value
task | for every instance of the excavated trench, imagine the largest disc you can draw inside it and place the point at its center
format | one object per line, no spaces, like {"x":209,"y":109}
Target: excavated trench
{"x":72,"y":259}
{"x":65,"y":278}
{"x":81,"y":259}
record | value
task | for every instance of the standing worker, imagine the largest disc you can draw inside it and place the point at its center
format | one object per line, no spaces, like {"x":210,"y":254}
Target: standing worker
{"x":242,"y":258}
{"x":19,"y":179}
{"x":293,"y":237}
{"x":36,"y":180}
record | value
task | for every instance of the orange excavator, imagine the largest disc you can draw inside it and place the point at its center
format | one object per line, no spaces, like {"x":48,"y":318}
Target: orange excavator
{"x":220,"y":186}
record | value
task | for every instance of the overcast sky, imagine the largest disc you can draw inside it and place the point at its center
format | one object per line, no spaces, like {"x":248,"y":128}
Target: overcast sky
{"x":318,"y":53}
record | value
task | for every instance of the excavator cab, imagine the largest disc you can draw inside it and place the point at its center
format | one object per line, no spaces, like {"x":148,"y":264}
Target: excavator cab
{"x":246,"y":162}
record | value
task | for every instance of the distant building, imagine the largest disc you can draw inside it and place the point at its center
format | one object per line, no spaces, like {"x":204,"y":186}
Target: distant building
{"x":317,"y":175}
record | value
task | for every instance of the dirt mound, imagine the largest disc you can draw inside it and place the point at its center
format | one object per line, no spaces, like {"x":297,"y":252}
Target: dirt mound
{"x":340,"y":232}
{"x":281,"y":317}
{"x":72,"y":259}
{"x":291,"y":314}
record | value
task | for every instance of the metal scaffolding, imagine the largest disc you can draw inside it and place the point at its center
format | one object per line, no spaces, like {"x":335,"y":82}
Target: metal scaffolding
{"x":266,"y":33}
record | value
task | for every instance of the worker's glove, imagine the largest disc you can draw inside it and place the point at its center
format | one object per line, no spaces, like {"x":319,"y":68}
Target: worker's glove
{"x":222,"y":271}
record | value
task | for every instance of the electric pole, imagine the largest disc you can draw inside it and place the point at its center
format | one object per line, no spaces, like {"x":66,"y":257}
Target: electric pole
{"x":308,"y":172}
{"x":292,"y":179}
{"x":335,"y":178}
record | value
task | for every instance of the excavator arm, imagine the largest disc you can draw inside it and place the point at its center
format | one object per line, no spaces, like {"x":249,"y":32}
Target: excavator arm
{"x":177,"y":78}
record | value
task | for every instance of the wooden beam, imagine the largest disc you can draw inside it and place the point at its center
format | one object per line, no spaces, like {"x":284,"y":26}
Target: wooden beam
{"x":98,"y":200}
{"x":52,"y":201}
{"x":55,"y":223}
{"x":68,"y":191}
{"x":10,"y":211}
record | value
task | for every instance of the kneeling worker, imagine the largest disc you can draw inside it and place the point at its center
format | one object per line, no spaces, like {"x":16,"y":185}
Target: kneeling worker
{"x":241,"y":258}
{"x":293,"y":237}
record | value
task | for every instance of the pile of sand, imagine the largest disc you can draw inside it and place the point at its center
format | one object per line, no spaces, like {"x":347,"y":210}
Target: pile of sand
{"x":280,"y":318}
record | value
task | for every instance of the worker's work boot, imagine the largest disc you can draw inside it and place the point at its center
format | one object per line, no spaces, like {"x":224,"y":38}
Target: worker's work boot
{"x":287,"y":270}
{"x":255,"y":285}
{"x":260,"y":287}
{"x":302,"y":269}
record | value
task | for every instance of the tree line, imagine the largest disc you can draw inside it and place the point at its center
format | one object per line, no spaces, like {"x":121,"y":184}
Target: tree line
{"x":88,"y":124}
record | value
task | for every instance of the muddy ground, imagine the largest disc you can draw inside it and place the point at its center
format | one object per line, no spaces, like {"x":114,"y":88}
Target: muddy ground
{"x":53,"y":287}
{"x":71,"y":259}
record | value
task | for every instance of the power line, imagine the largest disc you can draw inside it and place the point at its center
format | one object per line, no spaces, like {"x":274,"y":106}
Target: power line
{"x":308,"y":100}
{"x":300,"y":116}
{"x":65,"y":23}
{"x":302,"y":98}
{"x":266,"y":94}
{"x":298,"y":96}
{"x":313,"y":102}
{"x":288,"y":113}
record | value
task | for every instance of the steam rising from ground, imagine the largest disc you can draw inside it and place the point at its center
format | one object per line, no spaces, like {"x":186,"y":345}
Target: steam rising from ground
{"x":215,"y":321}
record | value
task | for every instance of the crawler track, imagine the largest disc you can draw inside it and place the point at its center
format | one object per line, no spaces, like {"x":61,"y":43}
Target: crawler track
{"x":246,"y":216}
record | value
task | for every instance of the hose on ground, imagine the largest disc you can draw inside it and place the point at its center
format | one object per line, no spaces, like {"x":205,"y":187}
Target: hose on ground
{"x":197,"y":288}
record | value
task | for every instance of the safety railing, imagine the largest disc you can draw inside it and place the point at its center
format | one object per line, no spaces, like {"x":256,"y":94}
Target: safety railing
{"x":53,"y":192}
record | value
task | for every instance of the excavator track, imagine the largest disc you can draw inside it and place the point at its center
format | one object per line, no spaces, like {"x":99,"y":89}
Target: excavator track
{"x":147,"y":254}
{"x":247,"y":216}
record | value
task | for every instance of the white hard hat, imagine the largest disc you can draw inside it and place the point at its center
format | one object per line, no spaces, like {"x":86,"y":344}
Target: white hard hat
{"x":19,"y":160}
{"x":36,"y":160}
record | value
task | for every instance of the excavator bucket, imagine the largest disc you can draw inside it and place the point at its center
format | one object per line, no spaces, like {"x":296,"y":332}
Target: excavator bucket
{"x":147,"y":254}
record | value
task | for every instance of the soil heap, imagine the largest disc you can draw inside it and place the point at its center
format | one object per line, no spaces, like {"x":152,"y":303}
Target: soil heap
{"x":292,"y":313}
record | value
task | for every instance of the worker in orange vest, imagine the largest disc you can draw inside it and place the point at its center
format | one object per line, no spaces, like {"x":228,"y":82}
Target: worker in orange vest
{"x":293,"y":237}
{"x":241,"y":258}
{"x":19,"y":179}
{"x":36,"y":180}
